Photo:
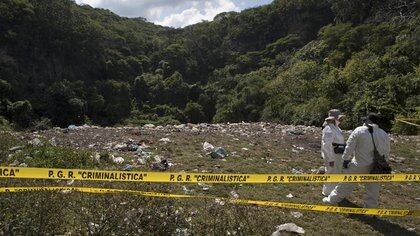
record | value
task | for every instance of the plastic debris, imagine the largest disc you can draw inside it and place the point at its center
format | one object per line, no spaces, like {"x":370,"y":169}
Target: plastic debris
{"x":71,"y":127}
{"x":221,"y":152}
{"x":397,"y":159}
{"x":23,"y":165}
{"x":15,"y":163}
{"x":296,"y":214}
{"x":16,"y":148}
{"x":204,"y":187}
{"x":143,"y":153}
{"x":321,"y":170}
{"x":182,"y":232}
{"x":294,"y":132}
{"x":128,"y":167}
{"x":141,"y":161}
{"x":215,"y":153}
{"x":53,"y":142}
{"x":160,"y":165}
{"x":245,"y":149}
{"x":149,"y":126}
{"x":120,"y":146}
{"x":35,"y":142}
{"x":233,"y":194}
{"x":288,"y":227}
{"x":70,"y":182}
{"x":296,"y":172}
{"x":207,"y":147}
{"x":96,"y":157}
{"x":118,"y":160}
{"x":289,"y":195}
{"x":186,"y":190}
{"x":66,"y":191}
{"x":165,"y":140}
{"x":219,"y":201}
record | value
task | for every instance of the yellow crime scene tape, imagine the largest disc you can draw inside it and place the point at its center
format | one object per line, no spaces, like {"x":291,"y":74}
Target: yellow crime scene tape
{"x":404,"y":121}
{"x":309,"y":207}
{"x":165,"y":177}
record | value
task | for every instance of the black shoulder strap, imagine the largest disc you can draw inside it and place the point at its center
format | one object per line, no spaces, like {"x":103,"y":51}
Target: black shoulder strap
{"x":371,"y":135}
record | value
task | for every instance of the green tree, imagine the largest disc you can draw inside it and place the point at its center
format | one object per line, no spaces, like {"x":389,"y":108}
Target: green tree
{"x":21,"y":113}
{"x":194,"y":112}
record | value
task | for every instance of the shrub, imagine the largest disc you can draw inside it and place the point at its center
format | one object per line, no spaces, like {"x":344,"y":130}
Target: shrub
{"x":405,"y":128}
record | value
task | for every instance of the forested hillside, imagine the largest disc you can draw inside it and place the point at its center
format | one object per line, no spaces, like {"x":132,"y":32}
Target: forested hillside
{"x":288,"y":62}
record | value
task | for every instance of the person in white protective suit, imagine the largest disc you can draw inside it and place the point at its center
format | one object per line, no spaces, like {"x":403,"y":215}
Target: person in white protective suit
{"x":331,"y":137}
{"x":361,"y":146}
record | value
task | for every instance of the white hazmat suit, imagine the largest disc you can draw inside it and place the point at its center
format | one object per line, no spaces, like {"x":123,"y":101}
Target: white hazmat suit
{"x":360,"y":144}
{"x":331,"y":134}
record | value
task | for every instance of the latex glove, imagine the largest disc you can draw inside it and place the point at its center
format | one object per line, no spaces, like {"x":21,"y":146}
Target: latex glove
{"x":331,"y":163}
{"x":346,"y":164}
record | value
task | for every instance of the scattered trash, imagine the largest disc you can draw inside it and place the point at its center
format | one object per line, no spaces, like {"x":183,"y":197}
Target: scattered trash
{"x":13,"y":149}
{"x":70,"y":182}
{"x":128,"y":167}
{"x":207,"y":147}
{"x":165,"y":140}
{"x":294,"y":132}
{"x":411,"y":229}
{"x":219,"y":201}
{"x":160,"y":165}
{"x":181,"y":126}
{"x":186,"y":190}
{"x":141,"y":161}
{"x":297,"y":147}
{"x":204,"y":187}
{"x":221,"y":153}
{"x":66,"y":191}
{"x":93,"y":228}
{"x":233,"y":194}
{"x":143,"y":153}
{"x":296,"y":172}
{"x":149,"y":126}
{"x":118,"y":160}
{"x":15,"y":163}
{"x":23,"y":165}
{"x":288,"y":227}
{"x":296,"y":214}
{"x":35,"y":142}
{"x":96,"y":157}
{"x":120,"y":146}
{"x":397,"y":159}
{"x":53,"y":142}
{"x":71,"y":127}
{"x":132,"y":147}
{"x":322,"y":170}
{"x":215,"y":153}
{"x":245,"y":149}
{"x":289,"y":195}
{"x":182,"y":232}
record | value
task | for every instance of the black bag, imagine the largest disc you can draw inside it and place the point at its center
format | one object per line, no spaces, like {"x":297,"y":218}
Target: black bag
{"x":380,"y":165}
{"x":339,"y":148}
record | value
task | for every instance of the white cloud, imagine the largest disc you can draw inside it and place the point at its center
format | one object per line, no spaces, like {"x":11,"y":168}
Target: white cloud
{"x":175,"y":13}
{"x":92,"y":3}
{"x":204,"y":10}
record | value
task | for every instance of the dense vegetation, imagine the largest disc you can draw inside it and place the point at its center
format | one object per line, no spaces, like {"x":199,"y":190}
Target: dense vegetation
{"x":289,"y":61}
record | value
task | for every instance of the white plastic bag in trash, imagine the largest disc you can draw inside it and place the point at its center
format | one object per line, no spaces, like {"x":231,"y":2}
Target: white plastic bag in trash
{"x":208,"y":147}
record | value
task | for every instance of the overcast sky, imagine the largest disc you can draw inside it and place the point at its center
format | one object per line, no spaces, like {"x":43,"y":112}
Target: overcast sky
{"x":175,"y":13}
